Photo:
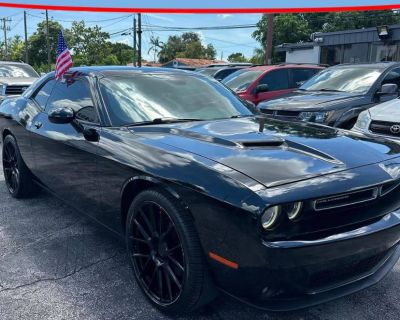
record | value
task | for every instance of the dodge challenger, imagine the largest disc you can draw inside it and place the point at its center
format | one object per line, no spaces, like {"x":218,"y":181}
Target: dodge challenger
{"x":207,"y":195}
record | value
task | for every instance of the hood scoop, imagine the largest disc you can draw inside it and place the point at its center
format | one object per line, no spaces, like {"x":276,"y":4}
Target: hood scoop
{"x":301,"y":148}
{"x":262,"y":143}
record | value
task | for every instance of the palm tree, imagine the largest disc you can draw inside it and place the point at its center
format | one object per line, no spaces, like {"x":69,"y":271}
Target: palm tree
{"x":155,"y":44}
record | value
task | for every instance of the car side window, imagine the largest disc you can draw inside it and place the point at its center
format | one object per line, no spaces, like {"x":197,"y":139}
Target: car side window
{"x":43,"y":94}
{"x":299,"y":76}
{"x":74,"y":94}
{"x":392,"y":77}
{"x":276,"y":80}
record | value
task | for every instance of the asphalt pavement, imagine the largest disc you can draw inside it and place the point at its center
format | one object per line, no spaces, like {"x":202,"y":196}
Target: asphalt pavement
{"x":57,"y":264}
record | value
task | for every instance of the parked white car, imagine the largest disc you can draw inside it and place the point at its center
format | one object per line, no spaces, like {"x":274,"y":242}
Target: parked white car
{"x":382,"y":119}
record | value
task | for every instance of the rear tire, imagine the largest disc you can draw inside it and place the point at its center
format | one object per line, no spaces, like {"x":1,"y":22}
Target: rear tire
{"x":18,"y":178}
{"x":166,"y":255}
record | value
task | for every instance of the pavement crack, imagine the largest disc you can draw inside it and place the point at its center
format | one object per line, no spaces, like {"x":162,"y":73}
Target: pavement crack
{"x":44,"y":236}
{"x":54,"y":279}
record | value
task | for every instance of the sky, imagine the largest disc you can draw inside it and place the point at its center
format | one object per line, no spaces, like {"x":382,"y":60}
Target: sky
{"x":212,"y":3}
{"x":224,"y":41}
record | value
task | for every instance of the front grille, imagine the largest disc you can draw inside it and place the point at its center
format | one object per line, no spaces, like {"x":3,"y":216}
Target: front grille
{"x":346,"y":199}
{"x":10,"y":90}
{"x":265,"y":111}
{"x":284,"y":113}
{"x":281,"y":113}
{"x":385,"y":128}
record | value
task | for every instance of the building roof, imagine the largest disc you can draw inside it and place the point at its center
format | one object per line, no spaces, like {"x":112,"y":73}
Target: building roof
{"x":194,"y":62}
{"x":364,"y":35}
{"x":295,"y":46}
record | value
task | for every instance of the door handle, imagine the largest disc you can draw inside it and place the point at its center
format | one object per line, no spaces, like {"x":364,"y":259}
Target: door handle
{"x":38,"y":125}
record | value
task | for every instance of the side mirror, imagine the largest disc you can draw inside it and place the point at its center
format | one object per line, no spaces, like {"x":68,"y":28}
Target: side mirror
{"x":261,"y":88}
{"x":61,"y":115}
{"x":388,"y":88}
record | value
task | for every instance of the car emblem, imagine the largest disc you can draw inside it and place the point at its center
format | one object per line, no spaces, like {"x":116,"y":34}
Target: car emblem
{"x":395,"y":129}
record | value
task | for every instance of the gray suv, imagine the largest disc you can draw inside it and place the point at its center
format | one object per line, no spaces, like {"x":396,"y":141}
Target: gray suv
{"x":15,"y":77}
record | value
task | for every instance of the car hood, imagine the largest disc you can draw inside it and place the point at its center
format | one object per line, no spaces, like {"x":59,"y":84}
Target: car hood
{"x":301,"y":100}
{"x":272,"y":152}
{"x":387,"y":111}
{"x":17,"y":81}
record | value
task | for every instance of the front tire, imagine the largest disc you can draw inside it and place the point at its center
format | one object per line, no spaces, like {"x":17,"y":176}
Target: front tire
{"x":166,"y":254}
{"x":18,"y":178}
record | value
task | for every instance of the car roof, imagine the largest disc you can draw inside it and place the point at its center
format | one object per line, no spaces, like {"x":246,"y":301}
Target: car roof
{"x":122,"y":70}
{"x":13,"y":62}
{"x":286,"y":65}
{"x":381,"y":65}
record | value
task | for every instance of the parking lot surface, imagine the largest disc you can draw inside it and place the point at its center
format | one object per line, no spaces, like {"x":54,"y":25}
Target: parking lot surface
{"x":57,"y":264}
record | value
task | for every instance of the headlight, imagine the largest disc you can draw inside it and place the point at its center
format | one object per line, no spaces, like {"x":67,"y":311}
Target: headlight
{"x":2,"y":89}
{"x":292,"y":210}
{"x":318,"y":117}
{"x":363,"y":120}
{"x":270,"y":217}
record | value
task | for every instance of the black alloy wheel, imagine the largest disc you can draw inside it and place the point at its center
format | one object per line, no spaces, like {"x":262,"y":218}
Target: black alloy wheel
{"x":157,"y":253}
{"x":10,"y":167}
{"x":18,"y":178}
{"x":165,"y":252}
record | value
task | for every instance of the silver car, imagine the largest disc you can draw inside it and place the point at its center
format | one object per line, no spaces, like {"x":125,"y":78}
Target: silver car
{"x":382,"y":120}
{"x":15,"y":78}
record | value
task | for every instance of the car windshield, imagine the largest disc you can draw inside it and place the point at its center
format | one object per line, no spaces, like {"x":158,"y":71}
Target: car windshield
{"x":17,"y":71}
{"x":147,"y":97}
{"x":242,"y":79}
{"x":347,"y":79}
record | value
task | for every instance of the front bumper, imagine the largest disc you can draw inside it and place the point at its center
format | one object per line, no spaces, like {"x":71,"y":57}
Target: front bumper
{"x":299,"y":274}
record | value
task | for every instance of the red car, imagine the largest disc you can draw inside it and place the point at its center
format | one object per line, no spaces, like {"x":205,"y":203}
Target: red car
{"x":261,"y":83}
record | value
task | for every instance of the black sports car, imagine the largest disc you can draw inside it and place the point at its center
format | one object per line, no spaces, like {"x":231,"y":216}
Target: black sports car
{"x":207,"y":195}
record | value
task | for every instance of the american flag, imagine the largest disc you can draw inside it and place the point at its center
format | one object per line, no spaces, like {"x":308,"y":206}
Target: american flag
{"x":64,"y":59}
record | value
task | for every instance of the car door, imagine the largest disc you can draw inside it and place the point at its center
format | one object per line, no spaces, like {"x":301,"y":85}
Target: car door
{"x":65,"y":161}
{"x":278,"y":84}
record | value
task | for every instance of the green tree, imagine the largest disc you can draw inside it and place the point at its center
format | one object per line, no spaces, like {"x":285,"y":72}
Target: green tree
{"x":258,"y":56}
{"x":37,"y":44}
{"x":155,"y":46}
{"x":188,"y":45}
{"x":16,"y":49}
{"x":298,"y":27}
{"x":237,"y":57}
{"x":123,"y":52}
{"x":210,"y":52}
{"x":89,"y":43}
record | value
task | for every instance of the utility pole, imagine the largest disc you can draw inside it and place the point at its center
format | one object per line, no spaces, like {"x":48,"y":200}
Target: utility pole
{"x":48,"y":42}
{"x":134,"y":40}
{"x":5,"y":29}
{"x":26,"y":39}
{"x":268,"y":44}
{"x":139,"y":39}
{"x":222,"y":55}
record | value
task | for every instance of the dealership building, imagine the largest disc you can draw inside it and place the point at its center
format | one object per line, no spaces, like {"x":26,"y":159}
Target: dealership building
{"x":350,"y":46}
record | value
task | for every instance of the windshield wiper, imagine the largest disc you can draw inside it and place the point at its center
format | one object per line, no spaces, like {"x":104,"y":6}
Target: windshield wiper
{"x":240,"y":116}
{"x":161,"y":121}
{"x":331,"y":90}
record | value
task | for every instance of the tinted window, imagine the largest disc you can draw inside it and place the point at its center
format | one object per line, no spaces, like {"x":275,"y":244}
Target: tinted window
{"x":222,"y":74}
{"x":76,"y":95}
{"x":145,"y":97}
{"x":242,"y":79}
{"x":208,"y":71}
{"x":17,"y":71}
{"x":276,"y":80}
{"x":43,"y":94}
{"x":299,"y":76}
{"x":393,"y":77}
{"x":347,"y":79}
